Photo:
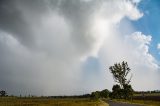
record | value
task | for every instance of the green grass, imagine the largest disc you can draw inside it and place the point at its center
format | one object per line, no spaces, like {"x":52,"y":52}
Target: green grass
{"x":143,"y":102}
{"x":148,"y":94}
{"x":14,"y":101}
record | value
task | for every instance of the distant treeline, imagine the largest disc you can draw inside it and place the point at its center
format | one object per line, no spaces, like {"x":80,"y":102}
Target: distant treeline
{"x":73,"y":96}
{"x":94,"y":95}
{"x":146,"y":92}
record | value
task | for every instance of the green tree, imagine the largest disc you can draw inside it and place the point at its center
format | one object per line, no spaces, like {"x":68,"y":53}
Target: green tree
{"x":120,"y":72}
{"x":104,"y":93}
{"x":128,"y":92}
{"x":95,"y":95}
{"x":116,"y":91}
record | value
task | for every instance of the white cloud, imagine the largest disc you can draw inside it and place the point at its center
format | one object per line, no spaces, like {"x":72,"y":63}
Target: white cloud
{"x":144,"y":62}
{"x":158,"y":46}
{"x":141,"y":43}
{"x":141,"y":38}
{"x":136,"y":1}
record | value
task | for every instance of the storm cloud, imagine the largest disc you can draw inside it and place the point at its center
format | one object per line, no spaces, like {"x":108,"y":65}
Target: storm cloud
{"x":44,"y":44}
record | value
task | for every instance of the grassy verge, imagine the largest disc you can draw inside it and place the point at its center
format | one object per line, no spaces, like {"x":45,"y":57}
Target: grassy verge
{"x":13,"y":101}
{"x":142,"y":102}
{"x":148,"y":94}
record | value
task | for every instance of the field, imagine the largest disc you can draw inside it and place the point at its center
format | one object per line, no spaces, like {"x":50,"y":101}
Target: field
{"x":147,"y":96}
{"x":148,"y":99}
{"x":14,"y":101}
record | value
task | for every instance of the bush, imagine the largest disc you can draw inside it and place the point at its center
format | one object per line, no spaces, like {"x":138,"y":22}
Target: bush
{"x":95,"y":95}
{"x":3,"y":93}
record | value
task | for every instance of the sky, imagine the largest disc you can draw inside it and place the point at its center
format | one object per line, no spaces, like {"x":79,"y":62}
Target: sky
{"x":65,"y":47}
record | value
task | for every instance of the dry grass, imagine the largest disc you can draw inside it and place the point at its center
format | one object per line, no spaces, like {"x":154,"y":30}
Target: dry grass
{"x":14,"y":101}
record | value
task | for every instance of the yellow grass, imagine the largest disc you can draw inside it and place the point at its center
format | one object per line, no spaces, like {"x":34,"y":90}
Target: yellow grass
{"x":13,"y":101}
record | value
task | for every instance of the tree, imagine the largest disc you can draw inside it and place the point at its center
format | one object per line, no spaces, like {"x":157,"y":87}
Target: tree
{"x":104,"y":93}
{"x":3,"y":93}
{"x":120,"y":72}
{"x":116,"y":91}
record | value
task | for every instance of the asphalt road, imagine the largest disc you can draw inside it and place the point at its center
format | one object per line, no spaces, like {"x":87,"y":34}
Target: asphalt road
{"x":120,"y":104}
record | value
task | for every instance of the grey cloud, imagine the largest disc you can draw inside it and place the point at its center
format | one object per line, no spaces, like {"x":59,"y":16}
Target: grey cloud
{"x":16,"y":18}
{"x":41,"y":45}
{"x":79,"y":15}
{"x":11,"y":21}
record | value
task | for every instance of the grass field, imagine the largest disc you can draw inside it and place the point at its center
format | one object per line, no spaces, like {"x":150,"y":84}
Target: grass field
{"x":143,"y":102}
{"x":14,"y":101}
{"x":147,"y":97}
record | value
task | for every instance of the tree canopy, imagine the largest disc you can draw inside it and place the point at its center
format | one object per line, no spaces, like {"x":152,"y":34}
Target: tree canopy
{"x":120,"y":72}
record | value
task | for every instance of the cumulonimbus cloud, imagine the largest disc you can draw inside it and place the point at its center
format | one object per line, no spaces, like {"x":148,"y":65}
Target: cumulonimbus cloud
{"x":43,"y":43}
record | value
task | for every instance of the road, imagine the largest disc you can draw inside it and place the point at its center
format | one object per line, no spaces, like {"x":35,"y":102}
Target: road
{"x":120,"y":104}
